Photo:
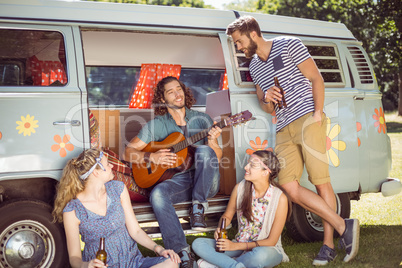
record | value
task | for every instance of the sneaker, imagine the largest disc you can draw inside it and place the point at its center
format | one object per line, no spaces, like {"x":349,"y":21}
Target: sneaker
{"x":325,"y":255}
{"x":204,"y":264}
{"x":187,"y":259}
{"x":350,"y":239}
{"x":197,"y":219}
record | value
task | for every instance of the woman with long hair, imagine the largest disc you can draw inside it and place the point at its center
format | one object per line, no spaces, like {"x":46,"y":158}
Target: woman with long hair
{"x":91,"y":204}
{"x":262,"y":209}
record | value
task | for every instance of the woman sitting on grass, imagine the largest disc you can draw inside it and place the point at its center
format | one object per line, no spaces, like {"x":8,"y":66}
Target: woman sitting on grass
{"x":92,"y":204}
{"x":261,"y":209}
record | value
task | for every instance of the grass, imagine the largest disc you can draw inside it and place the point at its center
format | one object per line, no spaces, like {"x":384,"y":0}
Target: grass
{"x":380,"y":219}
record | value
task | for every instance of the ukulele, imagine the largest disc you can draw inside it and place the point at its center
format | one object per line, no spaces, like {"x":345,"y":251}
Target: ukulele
{"x":148,"y":174}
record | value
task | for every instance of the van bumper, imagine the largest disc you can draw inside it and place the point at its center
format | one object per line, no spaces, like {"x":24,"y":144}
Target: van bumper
{"x":391,"y":186}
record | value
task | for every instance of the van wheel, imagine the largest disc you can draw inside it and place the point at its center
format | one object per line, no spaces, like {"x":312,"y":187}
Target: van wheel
{"x":305,"y":226}
{"x":28,"y":238}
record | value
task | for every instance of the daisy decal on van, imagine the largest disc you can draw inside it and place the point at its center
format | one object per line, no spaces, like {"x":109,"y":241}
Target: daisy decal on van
{"x":257,"y":146}
{"x":380,"y":120}
{"x":333,"y":144}
{"x":27,"y":125}
{"x":62,"y":145}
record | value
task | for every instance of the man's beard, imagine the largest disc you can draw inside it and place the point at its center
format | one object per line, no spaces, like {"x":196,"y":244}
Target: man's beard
{"x":175,"y":107}
{"x":251,"y":49}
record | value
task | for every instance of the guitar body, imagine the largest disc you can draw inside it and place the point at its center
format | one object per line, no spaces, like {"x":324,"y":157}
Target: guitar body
{"x":147,"y":175}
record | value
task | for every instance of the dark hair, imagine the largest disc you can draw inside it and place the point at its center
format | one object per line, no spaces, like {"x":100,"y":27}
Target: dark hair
{"x":245,"y":25}
{"x":272,"y":162}
{"x":160,"y":107}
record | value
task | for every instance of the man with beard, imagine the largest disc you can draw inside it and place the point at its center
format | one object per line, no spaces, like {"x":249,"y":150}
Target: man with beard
{"x":301,"y":127}
{"x":172,"y":102}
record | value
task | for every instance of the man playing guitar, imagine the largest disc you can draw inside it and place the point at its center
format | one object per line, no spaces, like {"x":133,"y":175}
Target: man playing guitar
{"x":172,"y":102}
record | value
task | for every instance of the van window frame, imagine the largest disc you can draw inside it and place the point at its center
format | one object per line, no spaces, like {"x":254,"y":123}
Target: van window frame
{"x":235,"y":55}
{"x":64,"y":31}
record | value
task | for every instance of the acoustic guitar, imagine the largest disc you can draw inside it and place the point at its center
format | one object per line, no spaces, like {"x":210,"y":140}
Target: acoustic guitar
{"x":148,"y":174}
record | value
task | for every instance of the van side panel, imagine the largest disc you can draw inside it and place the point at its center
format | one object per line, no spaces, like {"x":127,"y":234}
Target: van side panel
{"x":41,"y":124}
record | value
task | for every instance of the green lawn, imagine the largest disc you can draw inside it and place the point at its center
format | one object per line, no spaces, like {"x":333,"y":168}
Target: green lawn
{"x":380,"y":218}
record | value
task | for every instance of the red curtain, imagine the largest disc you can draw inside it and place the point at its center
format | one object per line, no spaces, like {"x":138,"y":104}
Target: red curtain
{"x":224,"y":82}
{"x":44,"y":73}
{"x":150,"y":75}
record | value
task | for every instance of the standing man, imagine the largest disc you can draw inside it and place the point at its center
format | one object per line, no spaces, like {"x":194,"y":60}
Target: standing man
{"x":172,"y":102}
{"x":301,"y":127}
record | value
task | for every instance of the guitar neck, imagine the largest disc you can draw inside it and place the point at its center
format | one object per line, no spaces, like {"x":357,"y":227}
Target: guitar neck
{"x":195,"y":138}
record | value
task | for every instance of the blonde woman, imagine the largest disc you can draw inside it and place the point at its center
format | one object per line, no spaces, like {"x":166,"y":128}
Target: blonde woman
{"x":262,"y":209}
{"x":91,"y":204}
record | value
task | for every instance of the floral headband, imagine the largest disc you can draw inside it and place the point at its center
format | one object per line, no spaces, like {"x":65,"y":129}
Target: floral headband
{"x":98,"y":163}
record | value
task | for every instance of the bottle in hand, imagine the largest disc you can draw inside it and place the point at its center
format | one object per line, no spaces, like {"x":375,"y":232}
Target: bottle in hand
{"x":223,"y":233}
{"x":282,"y":102}
{"x":101,"y":254}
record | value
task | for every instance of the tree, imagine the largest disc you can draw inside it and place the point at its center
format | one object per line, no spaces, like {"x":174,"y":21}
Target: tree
{"x":377,"y":24}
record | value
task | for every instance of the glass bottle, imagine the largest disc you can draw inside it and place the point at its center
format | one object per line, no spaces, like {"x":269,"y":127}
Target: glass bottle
{"x":223,"y":233}
{"x":101,"y":254}
{"x":282,"y":102}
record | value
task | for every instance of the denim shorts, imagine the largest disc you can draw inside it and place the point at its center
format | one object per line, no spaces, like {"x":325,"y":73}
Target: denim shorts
{"x":151,"y":261}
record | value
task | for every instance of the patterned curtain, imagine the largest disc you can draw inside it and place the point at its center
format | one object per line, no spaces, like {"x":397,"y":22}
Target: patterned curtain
{"x":44,"y":73}
{"x":150,"y":75}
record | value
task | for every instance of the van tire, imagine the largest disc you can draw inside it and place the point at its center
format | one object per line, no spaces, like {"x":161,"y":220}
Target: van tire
{"x":28,"y":221}
{"x":304,"y":226}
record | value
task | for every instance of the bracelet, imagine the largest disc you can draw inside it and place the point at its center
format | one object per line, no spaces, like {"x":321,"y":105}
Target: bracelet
{"x":146,"y":157}
{"x":155,"y":248}
{"x":257,"y":244}
{"x":247,"y":246}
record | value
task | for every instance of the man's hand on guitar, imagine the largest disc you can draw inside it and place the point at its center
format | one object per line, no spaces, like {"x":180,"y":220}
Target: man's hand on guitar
{"x":214,"y":133}
{"x":163,"y":157}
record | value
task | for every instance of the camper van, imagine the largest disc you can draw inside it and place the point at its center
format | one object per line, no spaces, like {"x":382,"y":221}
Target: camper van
{"x":64,"y":63}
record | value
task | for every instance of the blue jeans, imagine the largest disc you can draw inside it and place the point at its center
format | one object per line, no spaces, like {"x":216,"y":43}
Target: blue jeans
{"x":257,"y":257}
{"x":152,"y":261}
{"x":197,"y":185}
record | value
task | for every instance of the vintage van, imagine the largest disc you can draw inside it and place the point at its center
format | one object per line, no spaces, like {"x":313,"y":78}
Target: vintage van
{"x":58,"y":60}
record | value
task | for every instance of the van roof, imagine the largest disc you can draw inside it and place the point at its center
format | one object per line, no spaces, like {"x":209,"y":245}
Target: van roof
{"x":99,"y":13}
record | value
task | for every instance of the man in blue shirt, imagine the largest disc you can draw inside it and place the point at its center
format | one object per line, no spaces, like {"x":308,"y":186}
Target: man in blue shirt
{"x":172,"y":102}
{"x":301,"y":128}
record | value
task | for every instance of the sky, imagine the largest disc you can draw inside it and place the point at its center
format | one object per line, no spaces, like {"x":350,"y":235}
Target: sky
{"x":217,"y":3}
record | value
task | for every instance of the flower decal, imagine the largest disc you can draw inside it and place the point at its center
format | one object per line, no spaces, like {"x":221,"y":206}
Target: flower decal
{"x":257,"y":146}
{"x":27,"y":125}
{"x":62,"y":145}
{"x":358,"y":127}
{"x":333,"y":144}
{"x":380,"y":120}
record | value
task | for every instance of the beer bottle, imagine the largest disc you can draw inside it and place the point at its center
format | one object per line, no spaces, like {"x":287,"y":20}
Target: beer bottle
{"x":101,"y":254}
{"x":223,"y":233}
{"x":282,"y":102}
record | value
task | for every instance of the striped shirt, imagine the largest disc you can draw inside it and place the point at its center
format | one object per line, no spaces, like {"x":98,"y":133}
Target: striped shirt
{"x":286,"y":53}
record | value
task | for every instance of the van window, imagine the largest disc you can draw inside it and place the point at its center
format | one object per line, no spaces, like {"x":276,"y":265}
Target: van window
{"x":32,"y":58}
{"x":112,"y":85}
{"x":325,"y":56}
